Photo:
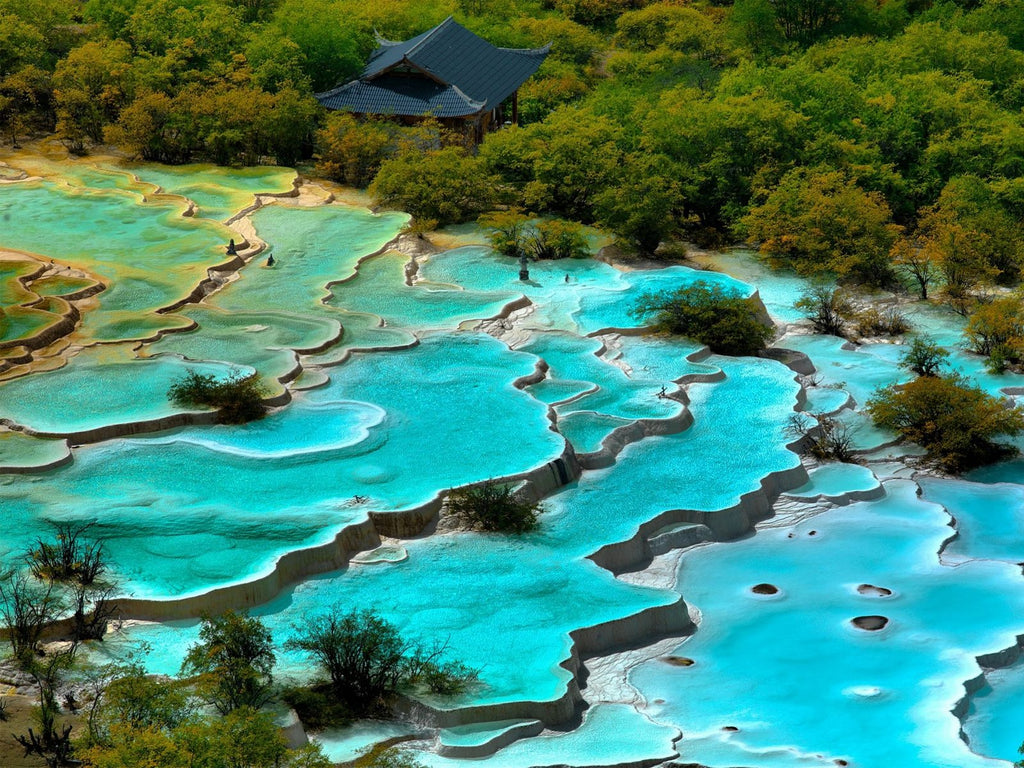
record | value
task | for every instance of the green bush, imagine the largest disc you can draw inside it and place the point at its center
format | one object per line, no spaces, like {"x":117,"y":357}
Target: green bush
{"x":233,"y":659}
{"x":513,"y":233}
{"x":720,"y":318}
{"x":954,"y":421}
{"x":368,"y":662}
{"x":238,"y":399}
{"x":881,"y":322}
{"x":924,"y":357}
{"x":493,"y":507}
{"x":316,"y":708}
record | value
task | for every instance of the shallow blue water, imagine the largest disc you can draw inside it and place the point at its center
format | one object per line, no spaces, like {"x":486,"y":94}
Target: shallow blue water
{"x":186,"y":510}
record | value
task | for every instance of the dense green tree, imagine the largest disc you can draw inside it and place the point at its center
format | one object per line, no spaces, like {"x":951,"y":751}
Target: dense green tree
{"x":352,"y":150}
{"x":924,"y":357}
{"x":234,"y":659}
{"x":556,"y":84}
{"x":597,"y":13}
{"x":242,"y":739}
{"x":91,"y":86}
{"x":728,"y":323}
{"x":768,"y":25}
{"x":996,"y":329}
{"x":817,"y":221}
{"x":646,"y":206}
{"x":20,"y":44}
{"x":332,"y":51}
{"x":26,"y":102}
{"x":574,"y":154}
{"x":443,"y":185}
{"x":720,"y":147}
{"x":134,"y":702}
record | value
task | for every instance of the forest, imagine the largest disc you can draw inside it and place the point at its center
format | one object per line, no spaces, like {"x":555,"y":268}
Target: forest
{"x":876,"y":141}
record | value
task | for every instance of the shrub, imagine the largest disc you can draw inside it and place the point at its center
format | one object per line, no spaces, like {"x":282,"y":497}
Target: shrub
{"x":512,"y":233}
{"x":368,"y":661}
{"x":238,"y":399}
{"x":885,"y":322}
{"x":71,"y":557}
{"x":827,"y":308}
{"x":722,"y":319}
{"x":924,"y":357}
{"x":558,"y":239}
{"x":507,"y":231}
{"x":955,"y":422}
{"x":996,"y":330}
{"x":493,"y":507}
{"x":317,"y":710}
{"x":822,"y":436}
{"x":27,"y":607}
{"x":133,"y":702}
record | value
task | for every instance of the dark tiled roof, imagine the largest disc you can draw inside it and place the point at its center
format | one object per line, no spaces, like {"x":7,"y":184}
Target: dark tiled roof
{"x":474,"y":71}
{"x":400,"y":95}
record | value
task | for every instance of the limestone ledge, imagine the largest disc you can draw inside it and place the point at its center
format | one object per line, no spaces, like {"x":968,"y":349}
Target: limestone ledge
{"x":64,"y":308}
{"x":613,"y":444}
{"x":299,"y":564}
{"x":498,"y":741}
{"x":24,"y":469}
{"x":846,"y":497}
{"x":670,"y":620}
{"x":987,"y":662}
{"x":126,"y":429}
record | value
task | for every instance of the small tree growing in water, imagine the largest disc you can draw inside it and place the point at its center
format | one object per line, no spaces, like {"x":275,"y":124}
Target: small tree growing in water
{"x":710,"y":314}
{"x":234,"y":660}
{"x":238,"y":399}
{"x":924,"y":357}
{"x":957,"y":423}
{"x":495,"y":507}
{"x":823,"y":437}
{"x":827,"y":308}
{"x":368,"y":661}
{"x":70,"y":557}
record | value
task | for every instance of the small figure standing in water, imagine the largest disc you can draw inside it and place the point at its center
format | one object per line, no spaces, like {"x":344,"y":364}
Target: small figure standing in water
{"x":270,"y":260}
{"x":662,"y":393}
{"x":567,"y":277}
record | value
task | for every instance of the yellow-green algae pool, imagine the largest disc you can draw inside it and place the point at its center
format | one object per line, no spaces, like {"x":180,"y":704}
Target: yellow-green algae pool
{"x":397,"y":378}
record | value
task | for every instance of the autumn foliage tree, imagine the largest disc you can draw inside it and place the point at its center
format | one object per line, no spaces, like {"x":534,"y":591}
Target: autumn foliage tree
{"x":958,"y":424}
{"x":818,"y":221}
{"x":996,"y":330}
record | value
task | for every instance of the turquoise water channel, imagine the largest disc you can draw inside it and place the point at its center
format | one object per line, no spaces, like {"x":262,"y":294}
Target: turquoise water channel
{"x":838,"y":627}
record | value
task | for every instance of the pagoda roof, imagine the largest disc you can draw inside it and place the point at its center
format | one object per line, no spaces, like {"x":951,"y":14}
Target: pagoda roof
{"x":446,"y":71}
